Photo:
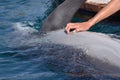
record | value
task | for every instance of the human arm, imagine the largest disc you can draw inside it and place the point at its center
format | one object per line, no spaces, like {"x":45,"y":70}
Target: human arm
{"x":112,"y":7}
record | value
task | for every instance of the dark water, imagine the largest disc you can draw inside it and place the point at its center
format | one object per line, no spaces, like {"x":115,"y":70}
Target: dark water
{"x":23,"y":56}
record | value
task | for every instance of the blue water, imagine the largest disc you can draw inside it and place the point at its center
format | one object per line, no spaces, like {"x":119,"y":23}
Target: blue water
{"x":24,"y":57}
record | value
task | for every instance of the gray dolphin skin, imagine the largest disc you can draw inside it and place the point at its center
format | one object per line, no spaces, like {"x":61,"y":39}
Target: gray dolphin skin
{"x":61,"y":15}
{"x":102,"y":51}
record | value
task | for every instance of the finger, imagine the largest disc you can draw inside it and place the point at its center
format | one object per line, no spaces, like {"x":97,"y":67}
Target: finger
{"x":76,"y":30}
{"x":69,"y":24}
{"x":66,"y":29}
{"x":69,"y":28}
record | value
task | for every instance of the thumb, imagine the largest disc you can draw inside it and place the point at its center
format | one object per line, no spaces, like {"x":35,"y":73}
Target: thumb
{"x":76,"y":30}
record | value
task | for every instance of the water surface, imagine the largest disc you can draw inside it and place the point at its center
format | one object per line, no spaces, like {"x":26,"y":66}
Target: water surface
{"x":23,"y":56}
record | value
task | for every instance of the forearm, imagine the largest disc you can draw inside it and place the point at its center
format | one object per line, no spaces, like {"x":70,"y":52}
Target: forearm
{"x":112,"y":7}
{"x":108,"y":10}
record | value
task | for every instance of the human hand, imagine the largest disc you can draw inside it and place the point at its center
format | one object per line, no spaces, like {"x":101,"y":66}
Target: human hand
{"x":77,"y":27}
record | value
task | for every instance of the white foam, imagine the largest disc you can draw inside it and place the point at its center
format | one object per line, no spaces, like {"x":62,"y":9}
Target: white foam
{"x":20,"y":27}
{"x":22,"y":36}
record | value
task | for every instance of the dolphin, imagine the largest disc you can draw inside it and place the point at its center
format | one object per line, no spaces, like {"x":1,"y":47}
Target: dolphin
{"x":61,"y":15}
{"x":102,"y":51}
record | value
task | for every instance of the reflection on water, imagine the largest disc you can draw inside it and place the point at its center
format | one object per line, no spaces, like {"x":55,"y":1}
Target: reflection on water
{"x":24,"y":56}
